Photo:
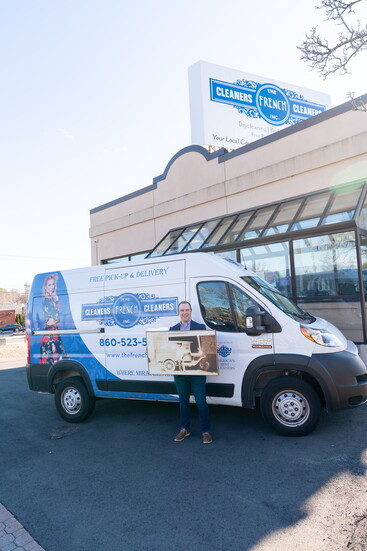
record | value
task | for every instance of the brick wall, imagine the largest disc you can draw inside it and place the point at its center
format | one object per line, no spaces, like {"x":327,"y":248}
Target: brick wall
{"x":7,"y":316}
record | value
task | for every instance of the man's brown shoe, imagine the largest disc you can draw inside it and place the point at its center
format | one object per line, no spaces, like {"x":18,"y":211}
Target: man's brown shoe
{"x":182,"y":435}
{"x":207,"y":438}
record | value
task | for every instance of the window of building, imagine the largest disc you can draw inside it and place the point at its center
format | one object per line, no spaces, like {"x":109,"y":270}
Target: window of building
{"x":257,"y":224}
{"x":236,"y":228}
{"x":342,"y":206}
{"x":164,"y":245}
{"x":183,"y":239}
{"x":320,"y":272}
{"x":202,"y":235}
{"x":284,"y":217}
{"x":335,"y":205}
{"x":272,"y":263}
{"x":311,"y":211}
{"x":222,"y":226}
{"x":363,"y":245}
{"x":326,"y":266}
{"x":362,"y":218}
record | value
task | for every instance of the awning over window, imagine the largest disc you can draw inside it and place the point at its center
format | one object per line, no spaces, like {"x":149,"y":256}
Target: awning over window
{"x":336,"y":205}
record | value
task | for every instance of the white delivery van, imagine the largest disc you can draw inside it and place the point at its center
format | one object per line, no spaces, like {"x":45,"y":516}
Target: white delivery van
{"x":86,"y":332}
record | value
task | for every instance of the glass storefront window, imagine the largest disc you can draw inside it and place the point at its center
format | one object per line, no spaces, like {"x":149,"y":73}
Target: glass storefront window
{"x":237,"y":228}
{"x":271,"y":262}
{"x":166,"y":243}
{"x":284,"y":217}
{"x":336,"y":205}
{"x":342,"y":207}
{"x":327,"y":280}
{"x":219,"y":231}
{"x":183,"y":239}
{"x":312,"y":211}
{"x":363,"y":244}
{"x":258,"y":223}
{"x":362,"y":219}
{"x":201,"y":235}
{"x":326,"y":266}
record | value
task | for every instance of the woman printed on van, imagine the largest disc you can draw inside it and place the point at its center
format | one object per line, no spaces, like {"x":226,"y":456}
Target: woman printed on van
{"x":51,"y":346}
{"x":50,"y":303}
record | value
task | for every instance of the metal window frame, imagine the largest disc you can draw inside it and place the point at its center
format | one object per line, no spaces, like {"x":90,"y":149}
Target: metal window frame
{"x":278,"y":237}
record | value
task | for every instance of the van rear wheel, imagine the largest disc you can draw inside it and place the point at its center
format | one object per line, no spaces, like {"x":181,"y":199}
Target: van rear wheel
{"x":291,"y":406}
{"x":72,"y":400}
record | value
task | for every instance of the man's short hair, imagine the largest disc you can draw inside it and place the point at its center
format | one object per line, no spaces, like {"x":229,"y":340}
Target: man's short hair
{"x":184,"y":302}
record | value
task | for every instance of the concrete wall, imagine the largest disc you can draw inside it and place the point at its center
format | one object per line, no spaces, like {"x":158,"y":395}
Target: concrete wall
{"x":327,"y":150}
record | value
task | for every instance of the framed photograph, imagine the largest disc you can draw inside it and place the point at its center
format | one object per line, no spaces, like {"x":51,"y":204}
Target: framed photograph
{"x":182,"y":352}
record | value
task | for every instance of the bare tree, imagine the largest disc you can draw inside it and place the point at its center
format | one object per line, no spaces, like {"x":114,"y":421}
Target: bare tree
{"x":334,"y":58}
{"x":14,"y":299}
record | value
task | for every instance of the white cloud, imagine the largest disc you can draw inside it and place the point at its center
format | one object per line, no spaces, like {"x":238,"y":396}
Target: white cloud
{"x":65,"y":133}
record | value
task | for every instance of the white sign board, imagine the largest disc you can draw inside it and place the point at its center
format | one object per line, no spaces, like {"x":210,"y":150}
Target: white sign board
{"x":230,"y":108}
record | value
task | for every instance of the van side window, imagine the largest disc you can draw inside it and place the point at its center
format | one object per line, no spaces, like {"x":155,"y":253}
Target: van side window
{"x":240,"y":304}
{"x":215,"y":305}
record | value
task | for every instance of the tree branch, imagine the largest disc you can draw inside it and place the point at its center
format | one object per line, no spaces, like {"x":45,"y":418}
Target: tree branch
{"x":315,"y":49}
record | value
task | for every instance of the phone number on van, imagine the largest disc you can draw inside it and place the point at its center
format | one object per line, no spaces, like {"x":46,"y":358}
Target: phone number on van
{"x":123,"y":342}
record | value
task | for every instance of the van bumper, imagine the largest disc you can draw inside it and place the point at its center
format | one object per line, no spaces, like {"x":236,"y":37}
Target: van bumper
{"x":345,"y":375}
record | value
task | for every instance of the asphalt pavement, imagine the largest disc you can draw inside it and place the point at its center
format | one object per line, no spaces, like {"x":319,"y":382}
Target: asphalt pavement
{"x":119,"y":482}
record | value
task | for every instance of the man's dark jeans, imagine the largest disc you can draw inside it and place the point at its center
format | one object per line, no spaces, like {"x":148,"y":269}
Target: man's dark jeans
{"x":196,"y":383}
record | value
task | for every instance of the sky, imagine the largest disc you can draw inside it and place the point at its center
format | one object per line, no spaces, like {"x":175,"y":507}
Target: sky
{"x":94,"y":103}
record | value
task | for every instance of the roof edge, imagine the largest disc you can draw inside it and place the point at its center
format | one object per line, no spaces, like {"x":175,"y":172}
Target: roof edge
{"x":316,"y":119}
{"x":124,"y":198}
{"x":190,"y":149}
{"x":224,"y":155}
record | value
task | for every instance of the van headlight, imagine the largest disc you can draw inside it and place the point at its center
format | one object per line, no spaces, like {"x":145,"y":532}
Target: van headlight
{"x":321,"y":336}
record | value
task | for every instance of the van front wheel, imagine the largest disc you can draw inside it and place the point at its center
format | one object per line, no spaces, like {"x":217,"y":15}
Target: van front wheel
{"x":291,"y":406}
{"x":72,"y":400}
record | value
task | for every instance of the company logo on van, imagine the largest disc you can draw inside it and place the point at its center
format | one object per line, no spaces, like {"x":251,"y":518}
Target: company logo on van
{"x":130,"y":309}
{"x":224,"y":351}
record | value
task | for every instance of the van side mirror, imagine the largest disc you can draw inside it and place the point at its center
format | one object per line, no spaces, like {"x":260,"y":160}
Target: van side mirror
{"x":258,"y":321}
{"x":254,"y":321}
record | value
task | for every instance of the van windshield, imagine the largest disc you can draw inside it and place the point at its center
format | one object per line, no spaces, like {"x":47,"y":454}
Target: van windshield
{"x":276,"y":297}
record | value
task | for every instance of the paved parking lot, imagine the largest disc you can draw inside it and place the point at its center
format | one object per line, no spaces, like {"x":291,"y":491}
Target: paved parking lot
{"x":118,"y":481}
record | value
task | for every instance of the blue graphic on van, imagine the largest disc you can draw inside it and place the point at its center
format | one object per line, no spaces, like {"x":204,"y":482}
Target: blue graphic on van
{"x":224,"y":351}
{"x":130,"y":309}
{"x":275,"y":105}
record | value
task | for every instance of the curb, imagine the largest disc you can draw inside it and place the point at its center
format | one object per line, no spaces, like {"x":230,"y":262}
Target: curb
{"x":10,"y":339}
{"x":13,"y":537}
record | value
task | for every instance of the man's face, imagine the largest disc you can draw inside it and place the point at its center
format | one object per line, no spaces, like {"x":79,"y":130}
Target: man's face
{"x":184,"y":313}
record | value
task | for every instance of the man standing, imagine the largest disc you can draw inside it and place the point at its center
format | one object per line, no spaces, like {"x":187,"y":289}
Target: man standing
{"x":186,"y":383}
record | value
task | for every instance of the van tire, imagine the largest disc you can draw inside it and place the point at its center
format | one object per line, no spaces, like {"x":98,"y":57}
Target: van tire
{"x":291,"y":406}
{"x":72,"y":400}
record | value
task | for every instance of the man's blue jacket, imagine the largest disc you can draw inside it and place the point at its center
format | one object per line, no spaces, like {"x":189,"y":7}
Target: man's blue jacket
{"x":194,"y":326}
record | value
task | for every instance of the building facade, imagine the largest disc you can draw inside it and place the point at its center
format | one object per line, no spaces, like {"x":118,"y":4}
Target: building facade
{"x":7,"y":316}
{"x":292,"y":206}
